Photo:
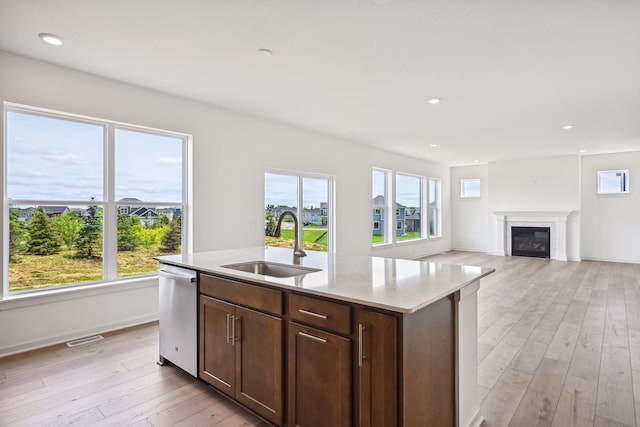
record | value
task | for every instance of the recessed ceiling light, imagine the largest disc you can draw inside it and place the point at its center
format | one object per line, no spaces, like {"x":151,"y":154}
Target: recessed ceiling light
{"x":476,"y":161}
{"x":434,"y":145}
{"x":50,"y":39}
{"x":567,"y":127}
{"x":435,"y":100}
{"x":582,"y":151}
{"x":264,"y":53}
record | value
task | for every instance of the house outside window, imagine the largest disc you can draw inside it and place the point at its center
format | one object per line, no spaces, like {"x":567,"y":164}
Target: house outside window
{"x":380,"y":205}
{"x":409,"y":206}
{"x":66,"y":179}
{"x":310,"y":197}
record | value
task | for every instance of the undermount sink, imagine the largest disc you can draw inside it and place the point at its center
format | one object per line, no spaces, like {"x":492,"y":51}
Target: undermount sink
{"x":272,"y":269}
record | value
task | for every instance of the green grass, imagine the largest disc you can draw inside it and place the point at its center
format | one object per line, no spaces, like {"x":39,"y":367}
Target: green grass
{"x":310,"y":233}
{"x":36,"y":272}
{"x":407,"y":236}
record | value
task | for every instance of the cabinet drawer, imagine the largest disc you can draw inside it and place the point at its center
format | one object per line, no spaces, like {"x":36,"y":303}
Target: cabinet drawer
{"x":321,"y":313}
{"x":257,"y":297}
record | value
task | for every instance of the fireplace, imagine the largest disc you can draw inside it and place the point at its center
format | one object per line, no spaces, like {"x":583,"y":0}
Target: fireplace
{"x":531,"y":241}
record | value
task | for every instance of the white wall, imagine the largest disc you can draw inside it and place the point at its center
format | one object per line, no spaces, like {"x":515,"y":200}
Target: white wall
{"x":230,"y":154}
{"x":542,"y":184}
{"x":470,"y":216}
{"x":611,"y":223}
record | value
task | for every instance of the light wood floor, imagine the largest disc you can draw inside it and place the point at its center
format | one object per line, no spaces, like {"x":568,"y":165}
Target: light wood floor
{"x":559,"y":342}
{"x":559,"y":345}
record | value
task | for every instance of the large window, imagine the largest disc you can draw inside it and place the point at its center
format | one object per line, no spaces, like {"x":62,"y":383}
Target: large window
{"x":309,"y":197}
{"x":408,"y":207}
{"x":416,"y":213}
{"x":88,"y":200}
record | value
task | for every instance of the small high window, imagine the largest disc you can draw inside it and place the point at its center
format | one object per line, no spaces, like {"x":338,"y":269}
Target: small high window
{"x":613,"y":182}
{"x":469,"y":188}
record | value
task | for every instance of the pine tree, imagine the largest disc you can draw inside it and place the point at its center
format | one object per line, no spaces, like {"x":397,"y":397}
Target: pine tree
{"x":68,"y":226}
{"x":173,"y":237}
{"x":88,"y":244}
{"x":17,"y":233}
{"x":127,"y":237}
{"x":43,"y":239}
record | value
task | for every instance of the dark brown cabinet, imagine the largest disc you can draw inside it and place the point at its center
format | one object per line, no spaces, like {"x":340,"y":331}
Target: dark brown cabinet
{"x":241,"y":354}
{"x":319,"y":378}
{"x":346,"y":364}
{"x":377,"y":370}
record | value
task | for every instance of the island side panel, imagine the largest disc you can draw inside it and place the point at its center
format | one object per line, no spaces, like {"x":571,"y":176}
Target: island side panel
{"x":428,"y":365}
{"x":467,"y":337}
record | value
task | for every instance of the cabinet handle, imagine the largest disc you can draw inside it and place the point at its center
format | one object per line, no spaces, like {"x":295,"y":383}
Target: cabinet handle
{"x":361,"y":329}
{"x":233,"y":330}
{"x":313,"y":337}
{"x":311,"y":313}
{"x":228,"y":315}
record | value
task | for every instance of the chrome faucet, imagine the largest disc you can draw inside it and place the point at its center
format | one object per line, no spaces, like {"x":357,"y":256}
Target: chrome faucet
{"x":297,"y":250}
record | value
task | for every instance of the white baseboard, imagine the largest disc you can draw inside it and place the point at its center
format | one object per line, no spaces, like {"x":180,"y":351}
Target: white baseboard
{"x":623,"y":261}
{"x":58,"y":339}
{"x":477,"y":250}
{"x":476,"y":420}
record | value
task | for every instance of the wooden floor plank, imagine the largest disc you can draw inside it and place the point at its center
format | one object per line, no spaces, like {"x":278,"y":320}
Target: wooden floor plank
{"x":577,"y":405}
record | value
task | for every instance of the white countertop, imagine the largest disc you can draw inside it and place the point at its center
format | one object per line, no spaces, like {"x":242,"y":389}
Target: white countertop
{"x":398,"y":285}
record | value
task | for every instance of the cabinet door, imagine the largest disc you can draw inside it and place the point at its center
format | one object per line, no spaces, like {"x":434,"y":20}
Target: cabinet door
{"x":259,"y":363}
{"x":217,"y":354}
{"x":377,"y":370}
{"x":319,"y":378}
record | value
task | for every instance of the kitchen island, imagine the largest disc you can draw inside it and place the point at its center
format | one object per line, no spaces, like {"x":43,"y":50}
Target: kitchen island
{"x":362,"y":341}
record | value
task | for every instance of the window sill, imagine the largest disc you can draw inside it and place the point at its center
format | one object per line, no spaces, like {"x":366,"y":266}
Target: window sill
{"x":12,"y":302}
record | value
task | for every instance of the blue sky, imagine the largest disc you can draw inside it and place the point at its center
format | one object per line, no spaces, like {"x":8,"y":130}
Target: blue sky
{"x":54,"y":159}
{"x":407,"y":188}
{"x":283,"y":190}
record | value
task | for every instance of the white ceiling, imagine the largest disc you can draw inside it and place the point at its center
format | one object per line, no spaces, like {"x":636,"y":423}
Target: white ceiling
{"x":510,"y":73}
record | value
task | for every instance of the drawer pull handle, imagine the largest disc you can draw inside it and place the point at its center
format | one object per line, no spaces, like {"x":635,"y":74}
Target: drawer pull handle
{"x":228,"y":334}
{"x":311,"y":313}
{"x":313,"y":337}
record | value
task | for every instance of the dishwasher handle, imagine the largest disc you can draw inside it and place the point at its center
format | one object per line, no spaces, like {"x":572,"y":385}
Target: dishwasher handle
{"x":180,"y":277}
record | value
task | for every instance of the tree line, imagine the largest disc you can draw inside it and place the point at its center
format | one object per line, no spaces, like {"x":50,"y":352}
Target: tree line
{"x":82,"y":235}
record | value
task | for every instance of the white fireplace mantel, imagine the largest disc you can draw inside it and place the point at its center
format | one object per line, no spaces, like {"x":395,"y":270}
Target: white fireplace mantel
{"x":556,"y":221}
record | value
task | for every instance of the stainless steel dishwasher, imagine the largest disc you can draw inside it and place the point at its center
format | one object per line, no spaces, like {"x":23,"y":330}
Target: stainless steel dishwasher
{"x":178,"y":297}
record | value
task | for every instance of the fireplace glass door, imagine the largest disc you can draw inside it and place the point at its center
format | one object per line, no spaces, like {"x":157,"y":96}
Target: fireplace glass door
{"x":531,"y":241}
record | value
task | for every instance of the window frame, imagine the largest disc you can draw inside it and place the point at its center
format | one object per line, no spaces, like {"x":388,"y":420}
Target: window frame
{"x":625,"y":181}
{"x":438,"y":209}
{"x":388,"y":229}
{"x":421,"y":190}
{"x":425,"y":219}
{"x":331,"y":239}
{"x":108,"y":204}
{"x":463,"y":194}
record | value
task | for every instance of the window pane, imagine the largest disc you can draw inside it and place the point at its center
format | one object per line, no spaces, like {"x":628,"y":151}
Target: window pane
{"x":435,"y":228}
{"x":159,"y":178}
{"x":470,"y":188}
{"x":315,"y":213}
{"x":379,"y":206}
{"x":145,"y":232}
{"x":280,"y":195}
{"x":54,"y":245}
{"x":613,"y":181}
{"x":408,"y":202}
{"x":53,"y":159}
